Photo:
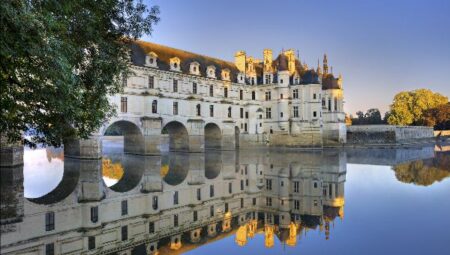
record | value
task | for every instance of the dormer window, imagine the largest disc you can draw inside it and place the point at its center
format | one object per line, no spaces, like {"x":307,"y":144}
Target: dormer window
{"x":240,"y":78}
{"x":297,"y":80}
{"x":195,"y":68}
{"x":175,"y":64}
{"x":211,"y":72}
{"x":226,"y":74}
{"x":150,"y":59}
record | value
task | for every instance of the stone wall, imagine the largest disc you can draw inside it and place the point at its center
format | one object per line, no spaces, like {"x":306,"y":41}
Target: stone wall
{"x":310,"y":139}
{"x":386,"y":134}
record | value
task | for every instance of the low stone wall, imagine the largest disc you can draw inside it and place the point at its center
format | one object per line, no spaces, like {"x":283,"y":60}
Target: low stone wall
{"x":442,"y":133}
{"x":386,"y":134}
{"x":303,"y":140}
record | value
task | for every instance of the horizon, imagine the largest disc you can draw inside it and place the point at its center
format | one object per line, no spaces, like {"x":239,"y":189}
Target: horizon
{"x":370,"y":45}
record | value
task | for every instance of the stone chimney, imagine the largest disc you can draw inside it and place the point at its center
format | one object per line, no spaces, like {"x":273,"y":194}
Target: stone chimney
{"x":239,"y":60}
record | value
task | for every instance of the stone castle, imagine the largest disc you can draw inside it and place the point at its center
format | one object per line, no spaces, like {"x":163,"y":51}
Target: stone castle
{"x":203,"y":102}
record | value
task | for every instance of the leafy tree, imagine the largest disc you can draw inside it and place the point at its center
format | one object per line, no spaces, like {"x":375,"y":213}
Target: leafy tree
{"x":59,"y":62}
{"x":438,"y":117}
{"x":408,"y":106}
{"x":372,"y":116}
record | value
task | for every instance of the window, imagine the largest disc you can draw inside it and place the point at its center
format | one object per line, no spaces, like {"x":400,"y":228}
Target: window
{"x":155,"y":203}
{"x":195,"y":216}
{"x":49,"y":221}
{"x":295,"y":111}
{"x":124,"y":231}
{"x":281,"y":81}
{"x":199,"y":110}
{"x":335,"y":104}
{"x":296,"y":204}
{"x":268,"y":113}
{"x":229,"y":112}
{"x":175,"y":85}
{"x":154,"y":106}
{"x":226,"y":207}
{"x":267,"y":78}
{"x":254,"y":201}
{"x":124,"y":206}
{"x":225,"y":92}
{"x":211,"y":111}
{"x":94,"y":214}
{"x":211,"y":190}
{"x":268,"y":184}
{"x":211,"y":211}
{"x":246,"y":182}
{"x":246,"y":115}
{"x":315,"y":203}
{"x":296,"y":186}
{"x":253,"y":95}
{"x":245,"y":127}
{"x":268,"y":95}
{"x":194,"y":88}
{"x":50,"y":249}
{"x":175,"y":220}
{"x":230,"y":187}
{"x":175,"y":198}
{"x":329,"y":104}
{"x":151,"y":82}
{"x":242,"y":113}
{"x":151,"y":227}
{"x":175,"y":108}
{"x":281,"y":114}
{"x":123,"y":104}
{"x":295,"y":94}
{"x":314,"y":96}
{"x":241,"y":94}
{"x":242,"y":203}
{"x":91,"y":242}
{"x":323,"y":102}
{"x":281,"y":96}
{"x":331,"y":190}
{"x":211,"y":90}
{"x":199,"y":194}
{"x":268,"y":201}
{"x":242,"y":184}
{"x":315,"y":184}
{"x":282,"y":183}
{"x":124,"y":80}
{"x":314,"y":114}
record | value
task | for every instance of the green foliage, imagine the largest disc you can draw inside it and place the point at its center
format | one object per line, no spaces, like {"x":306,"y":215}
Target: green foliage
{"x":59,"y":62}
{"x":372,"y":116}
{"x":438,"y":117}
{"x":408,"y":107}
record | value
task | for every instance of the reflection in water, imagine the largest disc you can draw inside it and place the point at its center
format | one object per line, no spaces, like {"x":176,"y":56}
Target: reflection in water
{"x":179,"y":202}
{"x":424,"y":172}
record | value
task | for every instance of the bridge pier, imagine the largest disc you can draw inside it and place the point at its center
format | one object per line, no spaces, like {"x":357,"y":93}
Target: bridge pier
{"x":152,"y":177}
{"x":196,"y":235}
{"x":196,"y":171}
{"x":175,"y":242}
{"x":152,"y":248}
{"x":196,"y":135}
{"x":91,"y":180}
{"x":11,"y":154}
{"x":228,"y":135}
{"x":152,"y":135}
{"x":90,"y":148}
{"x":212,"y":231}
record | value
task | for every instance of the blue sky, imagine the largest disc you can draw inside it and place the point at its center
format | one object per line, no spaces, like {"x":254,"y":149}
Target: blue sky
{"x":380,"y":47}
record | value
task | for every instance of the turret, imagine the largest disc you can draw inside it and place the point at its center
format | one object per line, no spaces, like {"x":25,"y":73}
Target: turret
{"x":268,"y":58}
{"x":325,"y":65}
{"x":239,"y":60}
{"x":290,"y":55}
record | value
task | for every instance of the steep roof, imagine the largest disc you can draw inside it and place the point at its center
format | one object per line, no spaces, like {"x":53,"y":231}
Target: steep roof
{"x":329,"y":82}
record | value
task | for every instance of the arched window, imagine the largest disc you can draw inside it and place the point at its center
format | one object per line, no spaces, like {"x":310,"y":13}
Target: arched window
{"x":199,"y":110}
{"x":154,"y":106}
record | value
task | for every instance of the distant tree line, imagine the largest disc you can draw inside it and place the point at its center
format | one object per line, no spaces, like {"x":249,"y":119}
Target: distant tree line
{"x":371,"y":117}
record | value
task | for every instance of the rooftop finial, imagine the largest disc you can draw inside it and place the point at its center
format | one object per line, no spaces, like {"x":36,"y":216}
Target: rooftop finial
{"x":325,"y":64}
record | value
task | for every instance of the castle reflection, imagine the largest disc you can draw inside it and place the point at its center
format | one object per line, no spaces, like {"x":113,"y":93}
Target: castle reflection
{"x":173,"y":203}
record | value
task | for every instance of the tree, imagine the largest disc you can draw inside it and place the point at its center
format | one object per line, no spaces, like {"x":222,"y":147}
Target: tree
{"x":60,"y":60}
{"x":438,"y":117}
{"x":372,"y":116}
{"x":408,"y":106}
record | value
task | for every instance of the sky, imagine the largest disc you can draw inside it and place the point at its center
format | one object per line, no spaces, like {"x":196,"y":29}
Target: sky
{"x":380,"y":47}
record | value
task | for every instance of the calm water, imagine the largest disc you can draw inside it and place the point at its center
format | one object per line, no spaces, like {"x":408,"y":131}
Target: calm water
{"x":373,"y":201}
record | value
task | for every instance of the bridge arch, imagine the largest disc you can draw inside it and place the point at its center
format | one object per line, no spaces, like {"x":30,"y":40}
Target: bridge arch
{"x":178,"y":136}
{"x":133,"y":139}
{"x":132,"y":170}
{"x":213,"y":136}
{"x":175,"y":168}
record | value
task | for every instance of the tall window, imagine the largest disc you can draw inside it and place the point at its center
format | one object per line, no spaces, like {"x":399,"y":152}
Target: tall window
{"x":195,"y":216}
{"x":295,"y":111}
{"x":154,"y":106}
{"x":242,"y":113}
{"x":124,"y":232}
{"x":242,"y":203}
{"x":323,"y":103}
{"x":199,"y":110}
{"x":241,"y":94}
{"x":242,"y":184}
{"x":199,"y":194}
{"x":226,"y":207}
{"x":314,"y":96}
{"x":230,"y":187}
{"x":151,"y":227}
{"x":268,"y":113}
{"x":254,"y":201}
{"x":211,"y":90}
{"x":123,"y":104}
{"x":211,"y":111}
{"x":268,"y":184}
{"x":268,"y":95}
{"x":267,"y":78}
{"x":151,"y":82}
{"x":155,"y":203}
{"x":253,"y":95}
{"x":175,"y":220}
{"x":50,"y":249}
{"x":295,"y":93}
{"x":175,"y":198}
{"x":335,"y":104}
{"x":314,"y":114}
{"x":211,"y":211}
{"x":94,"y":214}
{"x":329,"y":104}
{"x":246,"y":115}
{"x":245,"y":127}
{"x":124,"y":206}
{"x":229,"y":112}
{"x":225,"y":92}
{"x":211,"y":190}
{"x":91,"y":242}
{"x":194,"y":88}
{"x":281,"y":96}
{"x":296,"y":204}
{"x":175,"y":108}
{"x":175,"y":85}
{"x":268,"y":201}
{"x":49,"y":221}
{"x":296,"y":186}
